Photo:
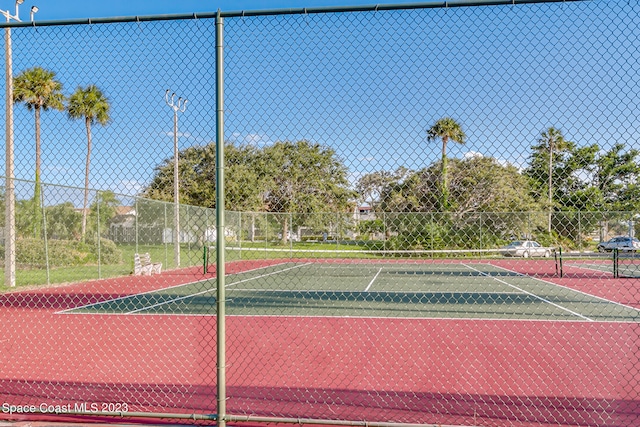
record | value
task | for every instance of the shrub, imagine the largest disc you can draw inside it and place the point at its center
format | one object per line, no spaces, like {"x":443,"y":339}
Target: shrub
{"x":64,"y":253}
{"x":109,"y":252}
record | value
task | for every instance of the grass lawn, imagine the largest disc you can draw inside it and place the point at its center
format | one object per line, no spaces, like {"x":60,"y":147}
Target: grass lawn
{"x":190,"y":255}
{"x":58,"y":275}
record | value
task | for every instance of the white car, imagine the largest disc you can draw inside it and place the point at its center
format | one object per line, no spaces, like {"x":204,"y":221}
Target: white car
{"x":526,"y":249}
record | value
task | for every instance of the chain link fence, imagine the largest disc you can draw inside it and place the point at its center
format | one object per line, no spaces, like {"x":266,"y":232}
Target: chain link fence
{"x":430,"y":217}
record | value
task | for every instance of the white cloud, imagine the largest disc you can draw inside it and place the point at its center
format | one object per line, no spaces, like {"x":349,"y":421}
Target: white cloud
{"x":472,"y":155}
{"x":180,"y":134}
{"x":131,"y":187}
{"x":256,"y":139}
{"x":368,"y":159}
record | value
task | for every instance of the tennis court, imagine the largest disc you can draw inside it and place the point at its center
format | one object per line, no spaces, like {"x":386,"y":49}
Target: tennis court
{"x":313,"y":324}
{"x":449,"y":289}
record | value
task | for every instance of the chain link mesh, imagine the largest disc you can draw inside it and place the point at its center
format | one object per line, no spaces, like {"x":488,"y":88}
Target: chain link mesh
{"x":430,"y":218}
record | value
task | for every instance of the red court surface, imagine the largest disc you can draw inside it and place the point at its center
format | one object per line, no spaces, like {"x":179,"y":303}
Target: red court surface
{"x":433,"y":371}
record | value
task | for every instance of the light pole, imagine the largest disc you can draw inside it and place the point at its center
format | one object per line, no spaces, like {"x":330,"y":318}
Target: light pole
{"x":179,"y":105}
{"x":10,"y":197}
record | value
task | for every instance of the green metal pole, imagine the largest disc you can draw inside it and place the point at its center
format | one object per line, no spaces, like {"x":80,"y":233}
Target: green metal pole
{"x":98,"y":196}
{"x":44,"y":235}
{"x":220,"y":224}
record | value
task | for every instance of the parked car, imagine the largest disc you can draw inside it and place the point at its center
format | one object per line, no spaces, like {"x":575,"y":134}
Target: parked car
{"x":621,"y":243}
{"x":291,"y":237}
{"x":526,"y":249}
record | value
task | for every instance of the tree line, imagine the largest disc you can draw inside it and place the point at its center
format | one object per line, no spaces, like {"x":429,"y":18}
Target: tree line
{"x":304,"y":178}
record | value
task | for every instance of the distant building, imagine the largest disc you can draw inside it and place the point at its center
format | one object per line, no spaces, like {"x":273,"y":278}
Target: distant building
{"x":122,"y":228}
{"x":364,"y":213}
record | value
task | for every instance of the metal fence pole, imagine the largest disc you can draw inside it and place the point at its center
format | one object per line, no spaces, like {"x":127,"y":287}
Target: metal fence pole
{"x":10,"y":198}
{"x":164,"y":237}
{"x":44,"y":235}
{"x":579,"y":232}
{"x":220,"y":232}
{"x":98,"y":233}
{"x":136,"y":223}
{"x":177,"y":106}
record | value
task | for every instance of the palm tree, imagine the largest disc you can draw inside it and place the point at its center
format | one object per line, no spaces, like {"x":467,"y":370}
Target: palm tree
{"x":446,"y":129}
{"x":91,"y":105}
{"x":39,"y":90}
{"x":552,"y":141}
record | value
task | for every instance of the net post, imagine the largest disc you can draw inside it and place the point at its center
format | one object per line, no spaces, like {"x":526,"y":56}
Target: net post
{"x":559,"y":268}
{"x":616,"y":255}
{"x":205,"y":258}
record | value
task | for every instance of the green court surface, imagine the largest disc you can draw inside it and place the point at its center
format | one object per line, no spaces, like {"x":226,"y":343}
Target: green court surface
{"x":430,"y":290}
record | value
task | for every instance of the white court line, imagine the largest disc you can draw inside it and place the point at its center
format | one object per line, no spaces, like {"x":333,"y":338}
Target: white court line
{"x":131,"y":296}
{"x":590,"y":267}
{"x":373,"y":280}
{"x":531,"y":294}
{"x":570,"y":289}
{"x":303,"y":291}
{"x":209,"y":290}
{"x":161,"y":289}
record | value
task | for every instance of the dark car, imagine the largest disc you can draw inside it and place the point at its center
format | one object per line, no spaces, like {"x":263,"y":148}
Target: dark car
{"x":621,"y":243}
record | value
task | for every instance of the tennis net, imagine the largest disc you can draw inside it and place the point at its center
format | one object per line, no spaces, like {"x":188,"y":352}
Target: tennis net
{"x":626,"y":264}
{"x":547,"y":262}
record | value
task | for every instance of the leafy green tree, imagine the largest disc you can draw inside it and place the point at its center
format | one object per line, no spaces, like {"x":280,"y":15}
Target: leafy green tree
{"x":63,"y":222}
{"x":25,"y":218}
{"x":552,"y":146}
{"x":39,"y":91}
{"x":370,"y":187}
{"x":244,"y":178}
{"x":617,"y":178}
{"x":477,"y":184}
{"x":446,"y":129}
{"x":573,"y":184}
{"x":286,"y":177}
{"x":92,"y":105}
{"x":102,"y":211}
{"x":304,"y":177}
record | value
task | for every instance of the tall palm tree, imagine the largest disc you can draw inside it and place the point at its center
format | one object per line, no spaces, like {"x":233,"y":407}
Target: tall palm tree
{"x":552,"y":141}
{"x":446,"y":129}
{"x":38,"y":90}
{"x":90,"y":104}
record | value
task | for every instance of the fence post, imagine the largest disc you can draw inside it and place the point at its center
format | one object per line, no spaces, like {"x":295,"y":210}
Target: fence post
{"x":220,"y":241}
{"x":136,"y":224}
{"x":98,"y":231}
{"x":384,"y":231}
{"x":481,"y":243}
{"x":44,"y":234}
{"x":579,"y":232}
{"x":164,"y":237}
{"x":182,"y":227}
